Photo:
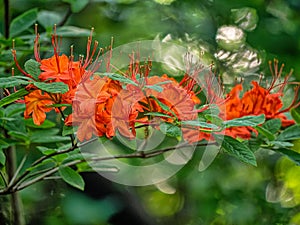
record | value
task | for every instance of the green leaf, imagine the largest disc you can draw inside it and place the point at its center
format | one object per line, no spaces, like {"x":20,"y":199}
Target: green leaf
{"x":296,"y":115}
{"x":266,"y":133}
{"x":293,"y":155}
{"x":45,"y":151}
{"x":7,"y":82}
{"x":201,"y":124}
{"x":33,"y":68}
{"x":119,"y":77}
{"x":2,"y":157}
{"x":155,"y":87}
{"x":55,"y":87}
{"x":273,"y":125}
{"x":236,"y":149}
{"x":14,"y":109}
{"x":67,"y":130}
{"x":290,"y":133}
{"x":48,"y":18}
{"x":77,"y":5}
{"x":46,"y":125}
{"x":163,"y":106}
{"x":71,"y":31}
{"x":3,"y":144}
{"x":245,"y":121}
{"x":170,"y":130}
{"x":157,"y":114}
{"x":60,"y":105}
{"x":50,"y":139}
{"x":23,"y":22}
{"x":13,"y":97}
{"x":281,"y":144}
{"x":19,"y":135}
{"x":214,"y":119}
{"x":71,"y":177}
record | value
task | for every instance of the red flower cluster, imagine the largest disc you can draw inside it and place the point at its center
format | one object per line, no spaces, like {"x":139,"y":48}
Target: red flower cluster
{"x":103,"y":106}
{"x":258,"y":100}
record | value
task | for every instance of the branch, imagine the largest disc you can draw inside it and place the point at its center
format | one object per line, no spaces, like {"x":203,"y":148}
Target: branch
{"x":140,"y":154}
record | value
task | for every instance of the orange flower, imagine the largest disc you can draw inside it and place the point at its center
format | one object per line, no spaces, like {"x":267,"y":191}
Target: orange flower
{"x":256,"y":101}
{"x":37,"y":104}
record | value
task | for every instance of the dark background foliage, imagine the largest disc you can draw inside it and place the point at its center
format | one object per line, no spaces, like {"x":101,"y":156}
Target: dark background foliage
{"x":228,"y":192}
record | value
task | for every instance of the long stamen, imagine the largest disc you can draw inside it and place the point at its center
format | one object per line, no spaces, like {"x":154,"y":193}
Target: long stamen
{"x":14,"y":53}
{"x":36,"y":44}
{"x":55,"y":47}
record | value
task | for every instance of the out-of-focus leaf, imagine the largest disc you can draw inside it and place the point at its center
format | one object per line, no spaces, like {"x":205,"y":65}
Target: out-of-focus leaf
{"x":2,"y":157}
{"x":77,"y":5}
{"x":19,"y":135}
{"x":48,"y":18}
{"x":71,"y":177}
{"x":246,"y":18}
{"x":23,"y":22}
{"x":293,"y":155}
{"x":14,"y":109}
{"x":46,"y":125}
{"x":71,"y":31}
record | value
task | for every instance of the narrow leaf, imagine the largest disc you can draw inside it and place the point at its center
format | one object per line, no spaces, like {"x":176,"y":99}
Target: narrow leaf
{"x":250,"y":121}
{"x":201,"y":124}
{"x":71,"y":177}
{"x":236,"y":149}
{"x":163,"y":106}
{"x":157,"y":114}
{"x":13,"y":97}
{"x":296,"y":115}
{"x":2,"y":157}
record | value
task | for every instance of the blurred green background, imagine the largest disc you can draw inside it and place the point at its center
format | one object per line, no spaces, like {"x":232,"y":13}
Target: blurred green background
{"x":228,"y":192}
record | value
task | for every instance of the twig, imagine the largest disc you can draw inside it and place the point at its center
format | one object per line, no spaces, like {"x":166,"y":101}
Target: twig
{"x":18,"y":170}
{"x":140,"y":154}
